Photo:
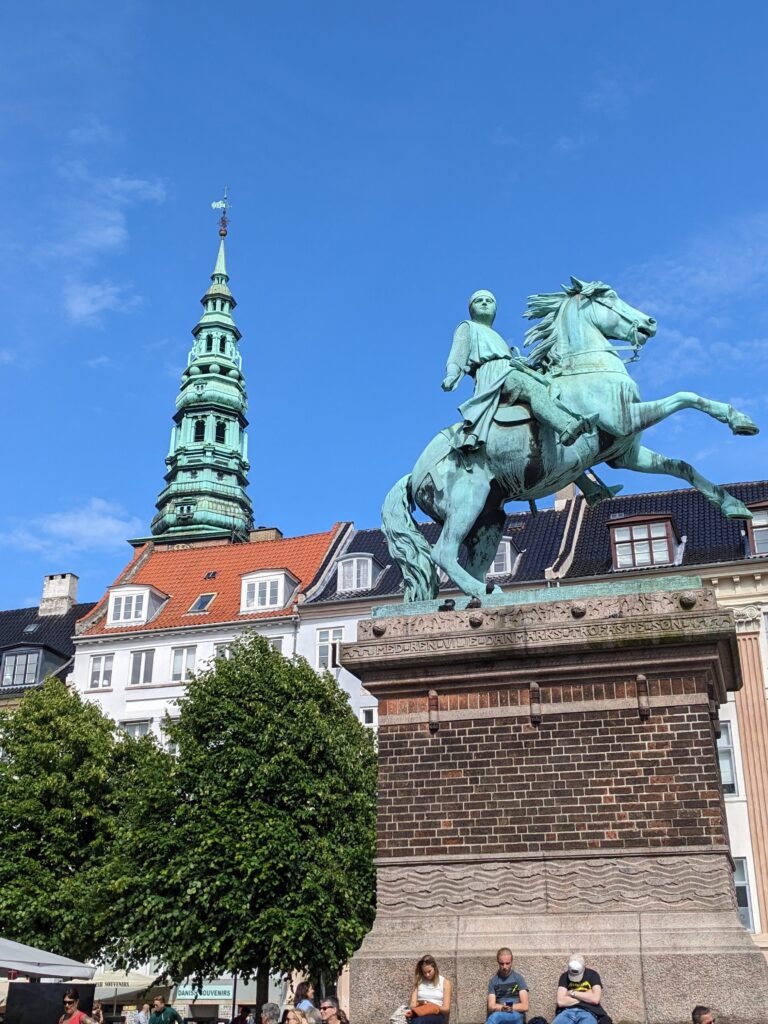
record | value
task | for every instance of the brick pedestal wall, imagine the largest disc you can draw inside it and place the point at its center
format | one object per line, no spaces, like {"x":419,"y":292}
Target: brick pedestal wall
{"x":549,"y":781}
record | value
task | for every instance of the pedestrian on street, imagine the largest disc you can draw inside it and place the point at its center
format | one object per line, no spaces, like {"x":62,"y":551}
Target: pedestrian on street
{"x":71,"y":1013}
{"x":163,"y":1014}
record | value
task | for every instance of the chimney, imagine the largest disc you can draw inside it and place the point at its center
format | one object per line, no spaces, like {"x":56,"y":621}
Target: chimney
{"x":563,"y":496}
{"x":262,"y":533}
{"x":59,"y":593}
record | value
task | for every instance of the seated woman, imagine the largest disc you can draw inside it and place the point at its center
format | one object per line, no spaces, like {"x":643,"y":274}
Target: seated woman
{"x":431,"y":996}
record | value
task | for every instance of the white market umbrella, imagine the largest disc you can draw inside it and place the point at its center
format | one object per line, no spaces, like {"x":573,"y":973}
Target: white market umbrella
{"x":37,"y":963}
{"x":120,"y":983}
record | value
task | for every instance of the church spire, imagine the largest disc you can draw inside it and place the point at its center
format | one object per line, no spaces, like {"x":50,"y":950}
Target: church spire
{"x":205,"y":494}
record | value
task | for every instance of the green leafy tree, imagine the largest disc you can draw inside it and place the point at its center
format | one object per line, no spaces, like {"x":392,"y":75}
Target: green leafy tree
{"x":61,"y":768}
{"x":256,"y":850}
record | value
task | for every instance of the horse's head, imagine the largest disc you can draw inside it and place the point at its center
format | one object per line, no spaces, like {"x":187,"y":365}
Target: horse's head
{"x":563,"y":316}
{"x":612,"y":316}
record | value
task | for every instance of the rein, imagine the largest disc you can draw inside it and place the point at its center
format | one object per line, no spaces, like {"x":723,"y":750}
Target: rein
{"x":635,"y":343}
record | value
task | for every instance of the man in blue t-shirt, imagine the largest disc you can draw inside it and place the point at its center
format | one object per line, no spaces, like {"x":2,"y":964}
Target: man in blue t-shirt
{"x":579,"y":992}
{"x":507,"y":992}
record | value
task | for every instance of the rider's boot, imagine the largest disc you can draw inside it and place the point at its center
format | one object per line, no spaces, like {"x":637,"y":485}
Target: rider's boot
{"x":583,"y":425}
{"x":594,"y":490}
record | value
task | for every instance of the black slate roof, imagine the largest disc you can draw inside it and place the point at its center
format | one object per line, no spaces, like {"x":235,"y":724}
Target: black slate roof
{"x":710,"y":538}
{"x":536,"y":537}
{"x":53,"y":631}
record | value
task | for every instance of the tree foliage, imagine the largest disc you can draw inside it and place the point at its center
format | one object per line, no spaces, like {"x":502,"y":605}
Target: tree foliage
{"x":256,"y":847}
{"x":61,"y":772}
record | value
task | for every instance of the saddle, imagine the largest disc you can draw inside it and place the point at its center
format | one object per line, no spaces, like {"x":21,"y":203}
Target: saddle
{"x":512,"y":415}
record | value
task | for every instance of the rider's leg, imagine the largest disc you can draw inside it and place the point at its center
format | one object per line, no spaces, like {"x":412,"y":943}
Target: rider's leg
{"x":546,"y":409}
{"x":645,"y":460}
{"x":470,"y":493}
{"x":641,"y":415}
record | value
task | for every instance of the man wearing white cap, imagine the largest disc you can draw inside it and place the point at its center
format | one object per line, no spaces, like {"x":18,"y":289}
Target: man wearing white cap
{"x":579,"y":991}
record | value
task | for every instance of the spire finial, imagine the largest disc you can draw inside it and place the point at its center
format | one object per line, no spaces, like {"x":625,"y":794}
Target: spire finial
{"x":223,"y":205}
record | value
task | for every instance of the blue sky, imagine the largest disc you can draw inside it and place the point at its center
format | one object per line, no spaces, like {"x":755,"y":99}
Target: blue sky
{"x":384,"y":161}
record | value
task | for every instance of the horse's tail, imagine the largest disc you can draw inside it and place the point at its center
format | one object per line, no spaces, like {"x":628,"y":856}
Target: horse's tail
{"x":407,"y":544}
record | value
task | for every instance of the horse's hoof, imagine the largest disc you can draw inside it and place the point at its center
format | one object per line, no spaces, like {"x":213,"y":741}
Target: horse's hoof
{"x":742,"y":424}
{"x":732,"y":508}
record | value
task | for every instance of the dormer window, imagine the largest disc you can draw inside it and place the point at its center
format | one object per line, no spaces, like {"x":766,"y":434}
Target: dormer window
{"x":641,"y":542}
{"x":262,"y":591}
{"x":757,"y":529}
{"x":127,"y":607}
{"x":355,"y":573}
{"x":132,"y":605}
{"x":505,"y":560}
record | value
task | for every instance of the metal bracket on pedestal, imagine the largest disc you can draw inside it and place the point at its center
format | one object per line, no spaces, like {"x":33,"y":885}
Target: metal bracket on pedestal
{"x":535,"y":703}
{"x":643,"y":704}
{"x":434,"y":715}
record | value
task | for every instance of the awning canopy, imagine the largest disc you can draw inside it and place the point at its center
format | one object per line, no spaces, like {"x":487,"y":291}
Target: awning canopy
{"x":37,"y":963}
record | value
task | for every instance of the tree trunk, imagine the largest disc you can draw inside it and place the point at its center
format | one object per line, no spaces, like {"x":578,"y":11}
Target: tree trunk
{"x":262,"y":988}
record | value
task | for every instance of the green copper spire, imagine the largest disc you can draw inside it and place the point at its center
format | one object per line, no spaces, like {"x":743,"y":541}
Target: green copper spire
{"x":205,"y":494}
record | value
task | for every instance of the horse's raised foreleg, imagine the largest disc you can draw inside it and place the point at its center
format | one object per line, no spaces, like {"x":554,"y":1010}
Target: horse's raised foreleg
{"x":639,"y":416}
{"x":483,"y":539}
{"x":459,"y":520}
{"x":645,"y":460}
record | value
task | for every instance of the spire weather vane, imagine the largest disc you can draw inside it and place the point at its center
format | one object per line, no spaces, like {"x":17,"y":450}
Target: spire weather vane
{"x":223,"y":205}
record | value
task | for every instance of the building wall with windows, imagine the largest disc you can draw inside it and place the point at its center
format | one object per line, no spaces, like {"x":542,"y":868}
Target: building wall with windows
{"x":37,"y":642}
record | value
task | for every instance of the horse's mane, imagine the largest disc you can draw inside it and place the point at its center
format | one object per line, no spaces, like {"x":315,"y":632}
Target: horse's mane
{"x":545,"y":306}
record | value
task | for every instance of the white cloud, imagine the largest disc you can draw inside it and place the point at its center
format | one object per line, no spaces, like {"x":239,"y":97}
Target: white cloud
{"x":7,"y":357}
{"x":693,"y":282}
{"x":85,"y":303}
{"x":611,"y":92}
{"x":93,"y":131}
{"x":98,"y":361}
{"x":98,"y":525}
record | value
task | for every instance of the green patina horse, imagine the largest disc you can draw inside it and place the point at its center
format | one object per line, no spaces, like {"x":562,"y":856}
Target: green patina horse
{"x":524,"y":460}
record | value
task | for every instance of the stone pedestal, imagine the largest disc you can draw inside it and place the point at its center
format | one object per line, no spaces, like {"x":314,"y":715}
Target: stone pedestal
{"x":549,"y":781}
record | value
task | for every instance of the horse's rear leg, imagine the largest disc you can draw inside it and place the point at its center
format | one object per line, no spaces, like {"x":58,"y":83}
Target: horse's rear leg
{"x":483,"y":540}
{"x":645,"y":460}
{"x":459,"y":520}
{"x":641,"y":415}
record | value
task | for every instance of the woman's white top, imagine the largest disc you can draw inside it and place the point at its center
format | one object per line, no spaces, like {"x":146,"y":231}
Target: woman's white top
{"x":431,"y":992}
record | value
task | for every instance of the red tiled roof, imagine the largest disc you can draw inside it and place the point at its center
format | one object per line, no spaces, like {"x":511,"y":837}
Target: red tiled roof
{"x":181,"y":575}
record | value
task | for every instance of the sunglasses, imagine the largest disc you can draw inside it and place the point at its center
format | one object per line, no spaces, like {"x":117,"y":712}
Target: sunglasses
{"x":69,"y":1002}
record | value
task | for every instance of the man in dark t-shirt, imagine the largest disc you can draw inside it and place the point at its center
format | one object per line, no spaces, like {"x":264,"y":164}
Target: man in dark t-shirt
{"x":579,"y":992}
{"x":507,"y":992}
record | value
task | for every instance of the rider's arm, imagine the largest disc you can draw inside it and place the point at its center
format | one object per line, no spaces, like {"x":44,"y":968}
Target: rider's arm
{"x":457,"y":358}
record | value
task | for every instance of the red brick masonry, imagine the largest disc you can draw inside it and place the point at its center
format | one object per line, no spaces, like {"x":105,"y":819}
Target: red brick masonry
{"x":601,"y":778}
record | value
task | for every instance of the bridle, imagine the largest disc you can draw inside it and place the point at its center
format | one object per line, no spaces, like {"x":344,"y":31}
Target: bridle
{"x":636,"y":341}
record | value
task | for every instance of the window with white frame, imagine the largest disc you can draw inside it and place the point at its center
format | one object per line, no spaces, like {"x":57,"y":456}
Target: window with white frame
{"x":370,"y":717}
{"x":757,"y":529}
{"x":127,"y":606}
{"x":202,"y":603}
{"x":101,"y":671}
{"x":504,"y":560}
{"x":20,"y":668}
{"x":328,"y":641}
{"x":223,"y":650}
{"x":137,"y":729}
{"x":141,"y":667}
{"x":266,"y":591}
{"x":727,"y":760}
{"x":355,"y":573}
{"x":183,"y":663}
{"x":638,"y":544}
{"x":743,"y":897}
{"x":277,"y":643}
{"x":170,"y":745}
